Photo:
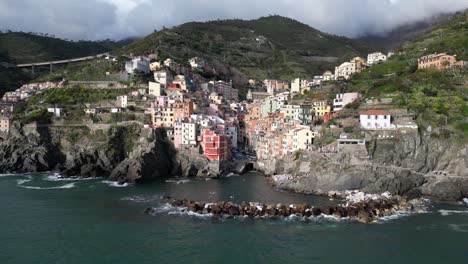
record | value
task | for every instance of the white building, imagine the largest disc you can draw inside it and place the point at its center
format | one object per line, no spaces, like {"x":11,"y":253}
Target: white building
{"x":345,"y":70}
{"x":297,"y":85}
{"x":376,"y":120}
{"x":163,"y":77}
{"x":141,"y":64}
{"x":231,"y":131}
{"x":189,"y":134}
{"x":342,"y":100}
{"x":56,"y":111}
{"x":318,"y":79}
{"x":168,"y":63}
{"x":155,"y":89}
{"x":197,"y":63}
{"x":376,"y":57}
{"x":122,"y":101}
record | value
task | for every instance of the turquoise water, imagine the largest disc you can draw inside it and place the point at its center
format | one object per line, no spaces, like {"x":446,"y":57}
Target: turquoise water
{"x":89,"y":221}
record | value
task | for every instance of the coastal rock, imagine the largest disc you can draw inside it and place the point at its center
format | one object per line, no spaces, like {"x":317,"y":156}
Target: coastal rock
{"x":364,"y":217}
{"x":413,"y":165}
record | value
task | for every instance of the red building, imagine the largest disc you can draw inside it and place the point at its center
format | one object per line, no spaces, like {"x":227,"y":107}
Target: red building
{"x":216,"y":146}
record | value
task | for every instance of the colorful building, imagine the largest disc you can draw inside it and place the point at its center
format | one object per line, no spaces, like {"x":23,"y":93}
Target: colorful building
{"x":216,"y":146}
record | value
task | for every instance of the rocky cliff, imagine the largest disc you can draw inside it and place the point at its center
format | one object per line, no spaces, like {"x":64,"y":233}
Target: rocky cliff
{"x":411,"y":165}
{"x":125,"y":153}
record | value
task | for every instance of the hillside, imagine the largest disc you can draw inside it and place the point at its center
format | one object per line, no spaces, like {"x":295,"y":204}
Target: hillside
{"x":20,"y":47}
{"x":403,"y":34}
{"x":438,"y":98}
{"x":450,"y":36}
{"x":269,"y":47}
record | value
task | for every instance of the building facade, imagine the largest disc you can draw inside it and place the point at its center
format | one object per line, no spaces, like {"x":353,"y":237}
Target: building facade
{"x":376,"y":120}
{"x":342,"y":100}
{"x":437,"y":61}
{"x":376,"y":57}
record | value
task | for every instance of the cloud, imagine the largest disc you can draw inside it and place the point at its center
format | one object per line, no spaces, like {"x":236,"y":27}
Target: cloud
{"x":98,"y":19}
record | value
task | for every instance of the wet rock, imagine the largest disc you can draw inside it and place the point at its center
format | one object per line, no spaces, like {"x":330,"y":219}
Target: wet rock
{"x":234,"y":211}
{"x":364,"y":217}
{"x":316,"y":211}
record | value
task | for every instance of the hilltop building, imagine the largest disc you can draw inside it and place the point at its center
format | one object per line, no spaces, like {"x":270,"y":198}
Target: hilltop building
{"x":436,"y":61}
{"x":140,"y":64}
{"x":376,"y":57}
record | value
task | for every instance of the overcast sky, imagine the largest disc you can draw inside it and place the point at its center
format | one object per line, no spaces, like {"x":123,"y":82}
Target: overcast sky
{"x":116,"y":19}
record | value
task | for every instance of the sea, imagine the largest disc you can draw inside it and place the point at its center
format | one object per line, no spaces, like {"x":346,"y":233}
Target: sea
{"x":46,"y":219}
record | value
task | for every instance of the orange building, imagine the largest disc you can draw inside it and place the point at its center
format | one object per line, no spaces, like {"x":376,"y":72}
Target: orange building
{"x":440,"y":61}
{"x":255,"y":112}
{"x":183,"y":109}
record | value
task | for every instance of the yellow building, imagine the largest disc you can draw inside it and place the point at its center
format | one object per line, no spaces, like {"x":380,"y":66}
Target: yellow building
{"x":216,"y":98}
{"x":321,"y":108}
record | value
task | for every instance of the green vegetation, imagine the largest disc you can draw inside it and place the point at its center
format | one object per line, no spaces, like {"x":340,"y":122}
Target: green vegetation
{"x":450,"y":37}
{"x":269,"y":47}
{"x":72,"y":99}
{"x":20,"y":47}
{"x":84,"y":71}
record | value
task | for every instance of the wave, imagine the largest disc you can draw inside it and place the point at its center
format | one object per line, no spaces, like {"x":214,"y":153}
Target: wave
{"x":451,"y":212}
{"x":182,"y":211}
{"x":23,"y":181}
{"x":9,"y":175}
{"x":66,"y":186}
{"x":465,"y":200}
{"x":178,"y":181}
{"x":116,"y":184}
{"x":140,"y":199}
{"x":459,"y":228}
{"x":57,"y":177}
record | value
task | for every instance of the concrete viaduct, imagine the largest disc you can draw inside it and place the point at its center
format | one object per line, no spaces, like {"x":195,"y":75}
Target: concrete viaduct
{"x":58,"y":62}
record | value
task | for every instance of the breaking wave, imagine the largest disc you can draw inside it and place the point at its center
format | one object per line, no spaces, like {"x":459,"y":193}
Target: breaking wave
{"x":116,"y":184}
{"x":66,"y":186}
{"x":57,"y":177}
{"x":178,"y":181}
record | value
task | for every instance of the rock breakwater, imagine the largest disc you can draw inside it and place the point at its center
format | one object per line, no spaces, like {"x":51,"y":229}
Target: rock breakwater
{"x":358,"y":207}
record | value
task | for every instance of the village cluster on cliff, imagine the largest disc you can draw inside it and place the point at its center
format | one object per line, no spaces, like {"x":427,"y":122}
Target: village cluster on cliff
{"x":208,"y":115}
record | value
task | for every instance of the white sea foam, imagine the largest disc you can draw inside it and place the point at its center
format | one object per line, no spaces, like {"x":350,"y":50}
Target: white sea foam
{"x":57,"y":177}
{"x":451,"y":212}
{"x":66,"y":186}
{"x":182,"y":211}
{"x":178,"y":181}
{"x":465,"y":200}
{"x":231,"y":175}
{"x":23,"y":181}
{"x":116,"y":184}
{"x":9,"y":175}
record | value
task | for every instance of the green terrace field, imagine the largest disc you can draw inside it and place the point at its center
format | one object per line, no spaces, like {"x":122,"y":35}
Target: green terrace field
{"x":71,"y":99}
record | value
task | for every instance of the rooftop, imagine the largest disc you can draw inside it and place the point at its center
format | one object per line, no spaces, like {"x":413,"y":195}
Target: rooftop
{"x":375,"y":112}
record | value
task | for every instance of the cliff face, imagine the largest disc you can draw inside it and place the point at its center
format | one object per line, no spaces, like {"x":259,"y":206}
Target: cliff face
{"x":125,"y":153}
{"x":411,"y":165}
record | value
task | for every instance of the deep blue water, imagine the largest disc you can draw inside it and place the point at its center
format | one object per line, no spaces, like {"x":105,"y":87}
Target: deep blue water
{"x":92,"y":222}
